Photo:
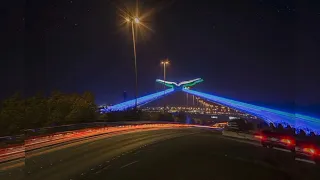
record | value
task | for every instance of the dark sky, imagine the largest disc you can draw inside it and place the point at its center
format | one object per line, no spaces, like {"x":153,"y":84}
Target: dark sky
{"x":258,"y":51}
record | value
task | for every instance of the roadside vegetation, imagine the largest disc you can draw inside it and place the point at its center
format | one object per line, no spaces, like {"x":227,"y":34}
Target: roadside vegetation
{"x":18,"y":113}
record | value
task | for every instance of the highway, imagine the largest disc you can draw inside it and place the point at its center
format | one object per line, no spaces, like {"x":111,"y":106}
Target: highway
{"x":180,"y":153}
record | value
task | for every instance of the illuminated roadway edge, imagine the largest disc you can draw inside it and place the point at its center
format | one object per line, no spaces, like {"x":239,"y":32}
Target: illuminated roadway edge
{"x":297,"y":121}
{"x":141,"y":101}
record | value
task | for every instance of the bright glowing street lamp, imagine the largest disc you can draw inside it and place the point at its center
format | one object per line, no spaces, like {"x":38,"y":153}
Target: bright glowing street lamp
{"x":136,"y":20}
{"x":133,"y":21}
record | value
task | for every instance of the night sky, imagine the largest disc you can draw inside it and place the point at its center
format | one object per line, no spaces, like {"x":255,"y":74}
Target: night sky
{"x":258,"y":51}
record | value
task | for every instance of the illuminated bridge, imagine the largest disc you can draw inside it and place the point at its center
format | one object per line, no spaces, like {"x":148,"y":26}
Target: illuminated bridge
{"x":273,"y":116}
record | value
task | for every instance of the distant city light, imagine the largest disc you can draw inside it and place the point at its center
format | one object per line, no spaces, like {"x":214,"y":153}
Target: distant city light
{"x":231,"y":117}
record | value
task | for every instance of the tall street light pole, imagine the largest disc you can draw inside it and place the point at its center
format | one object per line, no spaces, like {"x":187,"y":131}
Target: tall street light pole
{"x":134,"y":21}
{"x":164,"y":63}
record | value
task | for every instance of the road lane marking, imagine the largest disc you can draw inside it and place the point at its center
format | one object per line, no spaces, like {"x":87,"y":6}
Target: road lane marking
{"x":305,"y":160}
{"x":137,"y":152}
{"x":128,"y":164}
{"x":280,"y":149}
{"x":241,"y":140}
{"x":106,"y":167}
{"x":102,"y":169}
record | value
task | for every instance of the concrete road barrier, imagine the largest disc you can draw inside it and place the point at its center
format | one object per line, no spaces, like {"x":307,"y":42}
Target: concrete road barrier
{"x":239,"y":135}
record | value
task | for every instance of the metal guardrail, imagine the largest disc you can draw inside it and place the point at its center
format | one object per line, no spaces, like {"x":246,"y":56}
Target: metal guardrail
{"x":241,"y":135}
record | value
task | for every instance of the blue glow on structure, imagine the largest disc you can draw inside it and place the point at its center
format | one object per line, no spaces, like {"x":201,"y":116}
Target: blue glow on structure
{"x":188,"y":120}
{"x":297,"y":121}
{"x":141,"y":101}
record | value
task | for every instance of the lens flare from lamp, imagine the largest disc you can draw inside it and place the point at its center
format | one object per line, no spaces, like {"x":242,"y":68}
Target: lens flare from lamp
{"x":136,"y":20}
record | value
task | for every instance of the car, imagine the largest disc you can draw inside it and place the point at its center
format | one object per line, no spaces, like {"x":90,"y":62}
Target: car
{"x":308,"y":150}
{"x":270,"y":139}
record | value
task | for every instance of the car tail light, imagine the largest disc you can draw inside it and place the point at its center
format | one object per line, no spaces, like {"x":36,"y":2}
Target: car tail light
{"x":260,"y":137}
{"x":287,"y":141}
{"x":311,"y":151}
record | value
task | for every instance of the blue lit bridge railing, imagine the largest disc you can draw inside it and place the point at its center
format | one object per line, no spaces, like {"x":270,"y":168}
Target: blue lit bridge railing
{"x":141,"y":101}
{"x":297,"y":121}
{"x":276,"y":117}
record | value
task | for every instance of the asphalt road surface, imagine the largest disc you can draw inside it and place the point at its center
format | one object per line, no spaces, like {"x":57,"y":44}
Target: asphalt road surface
{"x":188,"y":153}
